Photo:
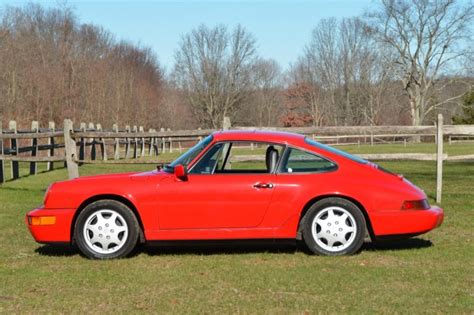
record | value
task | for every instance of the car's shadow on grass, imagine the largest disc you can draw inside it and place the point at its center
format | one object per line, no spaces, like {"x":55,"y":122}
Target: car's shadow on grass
{"x":277,"y":246}
{"x":220,"y":247}
{"x":235,"y":247}
{"x":402,"y":244}
{"x":57,"y":250}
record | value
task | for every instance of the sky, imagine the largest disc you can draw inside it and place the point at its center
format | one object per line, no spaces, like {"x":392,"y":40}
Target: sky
{"x":281,"y":28}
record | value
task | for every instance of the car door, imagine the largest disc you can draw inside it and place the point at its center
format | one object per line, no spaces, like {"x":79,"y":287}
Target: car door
{"x":209,"y":199}
{"x":302,"y":175}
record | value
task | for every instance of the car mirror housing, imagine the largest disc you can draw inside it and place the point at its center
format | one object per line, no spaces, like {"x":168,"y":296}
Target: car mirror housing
{"x":180,"y":172}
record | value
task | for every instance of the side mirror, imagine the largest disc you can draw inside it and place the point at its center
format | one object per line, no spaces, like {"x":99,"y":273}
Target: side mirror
{"x":180,"y":172}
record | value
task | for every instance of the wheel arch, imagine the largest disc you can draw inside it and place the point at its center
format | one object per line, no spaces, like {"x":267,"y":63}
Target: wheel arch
{"x":114,"y":197}
{"x":321,"y":197}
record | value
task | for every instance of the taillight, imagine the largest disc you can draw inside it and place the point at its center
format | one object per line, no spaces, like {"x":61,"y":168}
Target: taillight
{"x":415,"y":205}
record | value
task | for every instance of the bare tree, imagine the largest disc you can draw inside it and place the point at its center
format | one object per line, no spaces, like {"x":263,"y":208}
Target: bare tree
{"x":322,"y":65}
{"x":428,"y":38}
{"x":213,"y":67}
{"x":53,"y":67}
{"x":267,"y":95}
{"x":341,"y":75}
{"x":305,"y":98}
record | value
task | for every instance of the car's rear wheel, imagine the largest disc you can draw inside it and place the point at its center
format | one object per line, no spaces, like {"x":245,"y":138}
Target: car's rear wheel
{"x":334,"y":226}
{"x":106,"y":229}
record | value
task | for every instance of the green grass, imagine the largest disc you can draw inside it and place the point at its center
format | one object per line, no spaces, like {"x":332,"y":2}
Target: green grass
{"x":451,"y":150}
{"x":433,"y":273}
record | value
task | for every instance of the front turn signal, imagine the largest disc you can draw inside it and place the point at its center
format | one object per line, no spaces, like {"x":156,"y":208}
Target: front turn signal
{"x":49,"y":220}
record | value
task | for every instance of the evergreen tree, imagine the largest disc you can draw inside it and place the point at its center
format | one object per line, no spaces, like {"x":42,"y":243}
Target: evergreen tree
{"x":467,"y":116}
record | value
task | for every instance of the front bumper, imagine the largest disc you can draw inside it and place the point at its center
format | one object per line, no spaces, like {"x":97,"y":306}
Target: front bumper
{"x":59,"y":232}
{"x":406,"y":221}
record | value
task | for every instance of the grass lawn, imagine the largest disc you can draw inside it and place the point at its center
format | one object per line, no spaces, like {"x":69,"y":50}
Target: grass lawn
{"x":433,"y":273}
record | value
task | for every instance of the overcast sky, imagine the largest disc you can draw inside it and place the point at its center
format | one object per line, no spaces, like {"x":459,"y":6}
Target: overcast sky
{"x":281,"y":28}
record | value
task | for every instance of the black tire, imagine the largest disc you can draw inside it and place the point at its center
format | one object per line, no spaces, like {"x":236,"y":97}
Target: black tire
{"x":340,"y":206}
{"x":102,"y":208}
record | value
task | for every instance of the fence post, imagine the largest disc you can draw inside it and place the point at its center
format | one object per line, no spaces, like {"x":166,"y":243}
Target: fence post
{"x":163,"y":142}
{"x":439,"y":159}
{"x":142,"y":144}
{"x":92,"y":142}
{"x":51,"y":127}
{"x":103,"y":148}
{"x":82,"y":147}
{"x":2,"y":163}
{"x":34,"y":147}
{"x":15,"y":172}
{"x":70,"y":149}
{"x":117,"y":143}
{"x":135,"y":143}
{"x":156,"y":144}
{"x":150,"y":147}
{"x":127,"y":144}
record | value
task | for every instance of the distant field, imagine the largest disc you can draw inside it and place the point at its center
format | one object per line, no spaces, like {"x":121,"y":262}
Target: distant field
{"x":433,"y":273}
{"x":451,"y":150}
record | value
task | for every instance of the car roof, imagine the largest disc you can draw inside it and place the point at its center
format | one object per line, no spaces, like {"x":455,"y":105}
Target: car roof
{"x":258,"y":135}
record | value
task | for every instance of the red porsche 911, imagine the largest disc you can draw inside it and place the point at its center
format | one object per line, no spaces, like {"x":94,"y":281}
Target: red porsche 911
{"x":237,"y":185}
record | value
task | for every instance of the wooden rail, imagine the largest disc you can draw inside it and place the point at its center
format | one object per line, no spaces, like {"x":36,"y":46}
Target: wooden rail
{"x":90,"y":144}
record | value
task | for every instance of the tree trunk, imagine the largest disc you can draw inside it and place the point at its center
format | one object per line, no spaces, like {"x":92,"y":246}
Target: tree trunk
{"x":415,"y":106}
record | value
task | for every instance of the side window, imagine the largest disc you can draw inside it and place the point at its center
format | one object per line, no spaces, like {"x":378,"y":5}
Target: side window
{"x":208,"y":163}
{"x":239,"y":157}
{"x":299,"y":161}
{"x":252,"y":157}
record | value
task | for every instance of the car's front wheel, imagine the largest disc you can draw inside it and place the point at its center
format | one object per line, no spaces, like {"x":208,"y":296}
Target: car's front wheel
{"x":106,"y":229}
{"x":334,"y":226}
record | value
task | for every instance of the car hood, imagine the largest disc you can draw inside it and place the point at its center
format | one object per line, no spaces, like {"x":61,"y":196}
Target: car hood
{"x":117,"y":176}
{"x":70,"y":193}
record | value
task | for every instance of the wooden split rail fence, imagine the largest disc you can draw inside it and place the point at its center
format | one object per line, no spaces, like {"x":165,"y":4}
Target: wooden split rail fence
{"x":69,"y":146}
{"x":87,"y":144}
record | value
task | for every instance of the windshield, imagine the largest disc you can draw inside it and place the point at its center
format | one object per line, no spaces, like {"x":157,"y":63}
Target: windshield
{"x":335,"y":151}
{"x":190,"y":155}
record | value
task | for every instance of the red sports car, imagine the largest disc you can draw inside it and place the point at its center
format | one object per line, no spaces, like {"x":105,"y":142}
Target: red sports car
{"x":237,"y":185}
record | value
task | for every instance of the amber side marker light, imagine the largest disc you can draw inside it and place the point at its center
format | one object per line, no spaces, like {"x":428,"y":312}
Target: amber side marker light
{"x":415,"y":205}
{"x":42,"y":220}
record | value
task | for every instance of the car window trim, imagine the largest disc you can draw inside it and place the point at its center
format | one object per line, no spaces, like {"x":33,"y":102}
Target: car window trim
{"x":284,"y":145}
{"x":226,"y":156}
{"x":286,"y":155}
{"x":196,"y":158}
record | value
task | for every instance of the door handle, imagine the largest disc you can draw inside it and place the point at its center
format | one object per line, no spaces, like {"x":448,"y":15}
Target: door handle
{"x":263,"y":185}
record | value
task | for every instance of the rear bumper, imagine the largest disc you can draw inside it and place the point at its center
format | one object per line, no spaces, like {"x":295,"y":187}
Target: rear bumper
{"x":406,"y":222}
{"x":59,"y":232}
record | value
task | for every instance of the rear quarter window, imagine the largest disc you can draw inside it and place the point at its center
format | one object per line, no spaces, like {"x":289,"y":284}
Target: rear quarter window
{"x":298,"y":161}
{"x":335,"y":151}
